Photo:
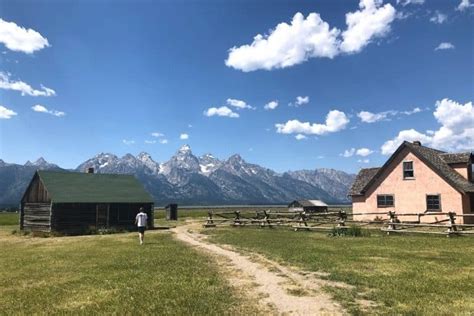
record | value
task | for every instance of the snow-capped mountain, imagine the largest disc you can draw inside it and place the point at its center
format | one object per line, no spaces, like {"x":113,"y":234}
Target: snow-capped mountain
{"x":188,"y":179}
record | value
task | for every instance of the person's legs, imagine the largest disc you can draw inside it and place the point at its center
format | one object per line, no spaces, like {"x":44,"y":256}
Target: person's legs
{"x":141,"y":234}
{"x":141,"y":238}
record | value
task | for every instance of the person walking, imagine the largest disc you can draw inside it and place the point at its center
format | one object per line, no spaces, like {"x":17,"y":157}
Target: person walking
{"x":141,"y":221}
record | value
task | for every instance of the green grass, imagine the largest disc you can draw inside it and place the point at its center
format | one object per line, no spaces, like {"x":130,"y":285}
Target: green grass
{"x":414,"y":275}
{"x":110,"y":274}
{"x":8,"y":218}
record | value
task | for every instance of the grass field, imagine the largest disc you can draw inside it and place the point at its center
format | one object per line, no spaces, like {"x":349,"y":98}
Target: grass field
{"x":110,"y":274}
{"x":8,"y":219}
{"x":402,"y":274}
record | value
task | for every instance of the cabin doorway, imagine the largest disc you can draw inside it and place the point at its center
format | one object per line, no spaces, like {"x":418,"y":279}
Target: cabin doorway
{"x":102,"y":215}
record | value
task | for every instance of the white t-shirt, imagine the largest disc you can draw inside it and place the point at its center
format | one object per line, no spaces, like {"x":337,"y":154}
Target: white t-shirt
{"x":141,"y":219}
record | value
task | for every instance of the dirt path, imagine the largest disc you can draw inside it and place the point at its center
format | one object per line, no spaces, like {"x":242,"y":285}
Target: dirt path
{"x":282,"y":290}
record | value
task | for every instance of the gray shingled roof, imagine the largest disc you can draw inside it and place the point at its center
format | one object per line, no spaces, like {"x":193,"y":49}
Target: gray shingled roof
{"x":435,"y":159}
{"x":456,"y":157}
{"x":362,"y":179}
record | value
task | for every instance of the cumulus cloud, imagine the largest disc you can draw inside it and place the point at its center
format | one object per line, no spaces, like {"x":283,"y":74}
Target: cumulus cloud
{"x":407,"y":2}
{"x":271,"y":105}
{"x":363,"y":152}
{"x":463,"y":5}
{"x":6,"y":113}
{"x":150,"y":141}
{"x":363,"y":161}
{"x":371,"y":21}
{"x":290,"y":44}
{"x":128,"y":142}
{"x":24,"y":88}
{"x":335,"y":121}
{"x":370,"y":117}
{"x":163,"y":141}
{"x":444,"y":46}
{"x":300,"y":101}
{"x":184,"y":136}
{"x":42,"y":109}
{"x":300,"y":137}
{"x":439,"y":18}
{"x":456,"y":131}
{"x":221,"y":111}
{"x":238,"y":104}
{"x":20,"y":39}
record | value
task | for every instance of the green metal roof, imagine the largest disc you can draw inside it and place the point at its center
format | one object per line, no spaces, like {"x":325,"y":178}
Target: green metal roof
{"x":74,"y":187}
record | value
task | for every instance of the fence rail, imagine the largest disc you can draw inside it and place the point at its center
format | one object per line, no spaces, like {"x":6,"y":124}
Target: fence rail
{"x":389,"y":222}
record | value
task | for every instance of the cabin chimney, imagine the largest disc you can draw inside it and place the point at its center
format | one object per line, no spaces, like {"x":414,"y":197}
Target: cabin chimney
{"x":90,"y":170}
{"x":417,"y":143}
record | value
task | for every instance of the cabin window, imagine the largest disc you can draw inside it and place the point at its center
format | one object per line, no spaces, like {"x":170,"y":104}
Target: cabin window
{"x":433,"y":203}
{"x":385,"y":200}
{"x":408,"y":171}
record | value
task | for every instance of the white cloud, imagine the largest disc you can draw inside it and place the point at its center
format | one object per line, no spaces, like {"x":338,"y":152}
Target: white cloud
{"x":348,"y":153}
{"x":163,"y":141}
{"x":128,"y":142}
{"x":290,"y":44}
{"x":23,"y":87}
{"x":300,"y":136}
{"x":222,"y":111}
{"x":271,"y":105}
{"x":157,"y":134}
{"x":190,"y":125}
{"x":370,"y":117}
{"x":20,"y":39}
{"x":150,"y":141}
{"x":407,"y":2}
{"x":455,"y":133}
{"x":463,"y":5}
{"x":238,"y":104}
{"x":184,"y":136}
{"x":371,"y":21}
{"x":414,"y":111}
{"x":300,"y":101}
{"x":287,"y":45}
{"x":43,"y":109}
{"x":6,"y":113}
{"x":364,"y":152}
{"x":439,"y":18}
{"x":444,"y":45}
{"x":335,"y":121}
{"x":363,"y":160}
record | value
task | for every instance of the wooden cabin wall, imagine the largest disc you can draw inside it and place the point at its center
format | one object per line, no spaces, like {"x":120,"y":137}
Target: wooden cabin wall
{"x":36,"y":192}
{"x":77,"y":217}
{"x":73,"y":216}
{"x":36,"y":216}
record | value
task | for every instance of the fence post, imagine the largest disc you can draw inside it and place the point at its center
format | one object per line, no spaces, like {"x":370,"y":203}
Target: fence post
{"x":210,"y":221}
{"x":452,"y":229}
{"x":266,"y":219}
{"x":393,"y":219}
{"x":342,"y":218}
{"x":237,"y":218}
{"x":302,"y":222}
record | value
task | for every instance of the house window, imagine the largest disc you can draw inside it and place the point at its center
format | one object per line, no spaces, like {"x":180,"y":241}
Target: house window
{"x":385,"y":200}
{"x":433,"y":203}
{"x":408,"y":170}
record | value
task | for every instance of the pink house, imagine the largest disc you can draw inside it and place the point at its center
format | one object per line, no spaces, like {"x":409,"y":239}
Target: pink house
{"x":417,"y":179}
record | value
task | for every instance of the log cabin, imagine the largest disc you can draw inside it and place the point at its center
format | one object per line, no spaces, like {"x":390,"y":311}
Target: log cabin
{"x":71,"y":202}
{"x":417,"y":179}
{"x":309,"y":206}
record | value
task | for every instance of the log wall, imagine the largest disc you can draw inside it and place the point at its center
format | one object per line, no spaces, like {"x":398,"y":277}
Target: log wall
{"x":36,"y":217}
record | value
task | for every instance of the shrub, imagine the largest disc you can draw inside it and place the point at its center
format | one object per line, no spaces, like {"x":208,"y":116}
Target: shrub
{"x":352,"y":231}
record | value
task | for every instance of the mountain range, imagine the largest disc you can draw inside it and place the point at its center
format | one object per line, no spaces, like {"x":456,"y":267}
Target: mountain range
{"x":188,"y":179}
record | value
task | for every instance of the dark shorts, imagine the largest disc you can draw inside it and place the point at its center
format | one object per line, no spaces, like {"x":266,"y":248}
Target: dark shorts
{"x":141,"y":229}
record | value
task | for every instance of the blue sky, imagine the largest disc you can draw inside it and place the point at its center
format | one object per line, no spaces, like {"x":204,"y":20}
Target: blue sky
{"x":123,"y":71}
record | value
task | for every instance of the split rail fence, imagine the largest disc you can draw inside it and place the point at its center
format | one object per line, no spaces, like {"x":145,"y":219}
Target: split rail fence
{"x":390,"y":222}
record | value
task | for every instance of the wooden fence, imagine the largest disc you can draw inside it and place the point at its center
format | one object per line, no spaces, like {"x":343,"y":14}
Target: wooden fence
{"x":389,"y":222}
